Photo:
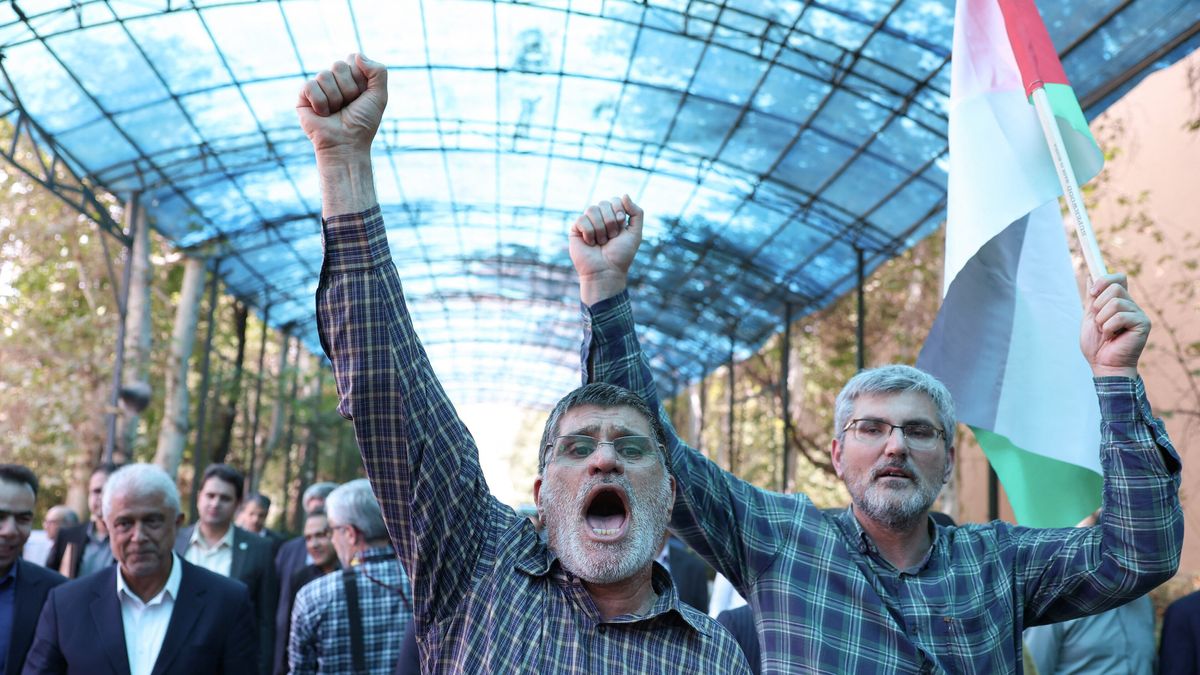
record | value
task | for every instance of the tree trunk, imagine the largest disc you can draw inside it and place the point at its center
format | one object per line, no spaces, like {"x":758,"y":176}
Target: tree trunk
{"x":290,"y":492}
{"x":172,"y":435}
{"x":227,"y":413}
{"x":138,"y":328}
{"x":277,"y":415}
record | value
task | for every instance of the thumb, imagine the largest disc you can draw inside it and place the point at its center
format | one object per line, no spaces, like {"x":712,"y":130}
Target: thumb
{"x":376,"y":73}
{"x":636,"y":215}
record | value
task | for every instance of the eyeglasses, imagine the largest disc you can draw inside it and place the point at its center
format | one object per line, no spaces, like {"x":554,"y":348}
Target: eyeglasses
{"x":321,"y":534}
{"x":628,"y":448}
{"x":916,"y":435}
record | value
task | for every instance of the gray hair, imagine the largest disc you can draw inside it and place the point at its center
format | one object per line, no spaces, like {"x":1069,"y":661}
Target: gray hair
{"x":894,"y":379}
{"x":601,"y":395}
{"x":317,"y":491}
{"x":140,"y":480}
{"x":354,"y":504}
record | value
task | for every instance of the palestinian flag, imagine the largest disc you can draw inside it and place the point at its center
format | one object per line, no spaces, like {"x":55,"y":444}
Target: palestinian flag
{"x":1006,"y":341}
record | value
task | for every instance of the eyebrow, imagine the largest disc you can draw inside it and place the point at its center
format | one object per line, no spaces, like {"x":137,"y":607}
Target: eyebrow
{"x":5,"y":514}
{"x":916,"y":420}
{"x":620,"y":431}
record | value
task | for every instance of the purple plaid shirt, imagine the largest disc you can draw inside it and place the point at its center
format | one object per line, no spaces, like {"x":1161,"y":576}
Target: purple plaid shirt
{"x":489,"y":596}
{"x":824,"y":601}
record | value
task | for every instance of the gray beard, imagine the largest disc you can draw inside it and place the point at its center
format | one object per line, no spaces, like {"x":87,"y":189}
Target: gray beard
{"x":893,"y":509}
{"x":605,"y":563}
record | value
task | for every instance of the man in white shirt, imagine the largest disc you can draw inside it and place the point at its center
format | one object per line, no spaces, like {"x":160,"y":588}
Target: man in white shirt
{"x":218,"y":545}
{"x":152,"y":612}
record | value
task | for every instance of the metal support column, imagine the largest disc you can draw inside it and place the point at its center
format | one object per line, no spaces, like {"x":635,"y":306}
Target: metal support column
{"x":199,"y":460}
{"x":860,"y":356}
{"x":784,"y":398}
{"x":732,"y":461}
{"x":121,"y":294}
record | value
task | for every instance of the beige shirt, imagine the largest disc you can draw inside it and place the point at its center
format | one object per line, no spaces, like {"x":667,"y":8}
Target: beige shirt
{"x":146,"y":622}
{"x":218,"y":558}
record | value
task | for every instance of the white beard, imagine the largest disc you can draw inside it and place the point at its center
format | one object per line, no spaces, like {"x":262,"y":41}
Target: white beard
{"x":895,"y":509}
{"x":605,"y":563}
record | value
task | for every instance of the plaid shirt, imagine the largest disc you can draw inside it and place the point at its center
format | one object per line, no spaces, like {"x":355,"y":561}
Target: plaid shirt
{"x":823,"y":599}
{"x":320,"y":639}
{"x":489,"y":595}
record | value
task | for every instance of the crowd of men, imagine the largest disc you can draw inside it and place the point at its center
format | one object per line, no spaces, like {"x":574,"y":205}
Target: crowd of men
{"x":165,"y":598}
{"x":420,"y":567}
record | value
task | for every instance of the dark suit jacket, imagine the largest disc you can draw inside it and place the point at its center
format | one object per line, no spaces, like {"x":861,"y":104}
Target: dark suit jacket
{"x":1179,"y":651}
{"x":690,"y":573}
{"x":286,"y":602}
{"x":73,"y":540}
{"x":252,"y":565}
{"x":291,"y":557}
{"x":33,"y":585}
{"x":81,"y":631}
{"x":740,"y":622}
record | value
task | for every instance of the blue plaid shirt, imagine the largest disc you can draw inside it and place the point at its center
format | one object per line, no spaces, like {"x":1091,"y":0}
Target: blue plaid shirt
{"x":320,"y":638}
{"x":489,"y":596}
{"x":823,"y":599}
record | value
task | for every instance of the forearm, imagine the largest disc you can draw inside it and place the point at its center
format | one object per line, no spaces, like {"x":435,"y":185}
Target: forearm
{"x":1136,"y":545}
{"x":1141,"y":519}
{"x":594,"y":288}
{"x":347,"y":182}
{"x":414,"y":447}
{"x":713,"y":508}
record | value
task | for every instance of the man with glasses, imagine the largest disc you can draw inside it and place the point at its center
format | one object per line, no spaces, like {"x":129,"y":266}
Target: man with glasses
{"x":879,"y":587}
{"x":352,"y":621}
{"x":490,"y":594}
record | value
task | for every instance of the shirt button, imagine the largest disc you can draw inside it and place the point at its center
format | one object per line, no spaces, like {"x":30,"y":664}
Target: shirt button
{"x":602,"y":629}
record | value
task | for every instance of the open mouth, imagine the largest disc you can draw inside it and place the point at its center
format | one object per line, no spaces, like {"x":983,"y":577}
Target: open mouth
{"x":606,"y":512}
{"x":893,"y":472}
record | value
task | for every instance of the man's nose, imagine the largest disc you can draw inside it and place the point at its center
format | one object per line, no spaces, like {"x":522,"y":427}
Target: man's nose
{"x":604,"y":459}
{"x":8,"y":525}
{"x":896,"y":445}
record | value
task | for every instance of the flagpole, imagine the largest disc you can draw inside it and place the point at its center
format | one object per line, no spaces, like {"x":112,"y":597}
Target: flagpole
{"x":1070,"y":187}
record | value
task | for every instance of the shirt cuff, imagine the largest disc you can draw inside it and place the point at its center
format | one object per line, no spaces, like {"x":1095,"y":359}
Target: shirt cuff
{"x":355,"y":241}
{"x":609,"y":319}
{"x":1123,"y":399}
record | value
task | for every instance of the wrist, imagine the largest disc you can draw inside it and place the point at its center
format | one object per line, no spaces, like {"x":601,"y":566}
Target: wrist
{"x":347,"y":181}
{"x":1114,"y":371}
{"x":600,"y":286}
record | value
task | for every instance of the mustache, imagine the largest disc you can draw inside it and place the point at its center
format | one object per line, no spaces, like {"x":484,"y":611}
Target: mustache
{"x":904,"y":466}
{"x":613,"y":481}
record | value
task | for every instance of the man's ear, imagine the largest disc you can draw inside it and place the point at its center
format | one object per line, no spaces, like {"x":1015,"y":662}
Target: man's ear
{"x":949,"y":465}
{"x":178,"y":521}
{"x":537,"y":493}
{"x":835,"y":454}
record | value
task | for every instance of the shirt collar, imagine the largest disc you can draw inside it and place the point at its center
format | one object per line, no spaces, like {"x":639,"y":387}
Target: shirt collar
{"x":867,"y":546}
{"x":11,"y":575}
{"x":170,"y":590}
{"x":197,"y":538}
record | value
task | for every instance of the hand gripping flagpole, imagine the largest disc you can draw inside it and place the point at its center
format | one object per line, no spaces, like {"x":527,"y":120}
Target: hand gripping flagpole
{"x":1070,"y":187}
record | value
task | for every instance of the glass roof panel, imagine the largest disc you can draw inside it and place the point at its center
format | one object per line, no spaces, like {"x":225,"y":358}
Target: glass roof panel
{"x":764,"y":138}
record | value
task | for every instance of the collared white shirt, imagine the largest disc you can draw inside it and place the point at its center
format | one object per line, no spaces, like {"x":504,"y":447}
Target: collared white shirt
{"x":218,"y":558}
{"x":146,"y":622}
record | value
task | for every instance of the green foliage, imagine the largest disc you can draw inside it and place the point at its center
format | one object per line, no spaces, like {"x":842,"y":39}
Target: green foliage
{"x":58,"y":329}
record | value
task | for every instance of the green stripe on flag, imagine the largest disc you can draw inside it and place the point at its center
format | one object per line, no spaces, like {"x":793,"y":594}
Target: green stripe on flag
{"x":1066,"y":106}
{"x":1044,"y":492}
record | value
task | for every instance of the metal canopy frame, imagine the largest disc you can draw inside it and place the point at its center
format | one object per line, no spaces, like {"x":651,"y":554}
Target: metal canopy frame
{"x":783,"y":148}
